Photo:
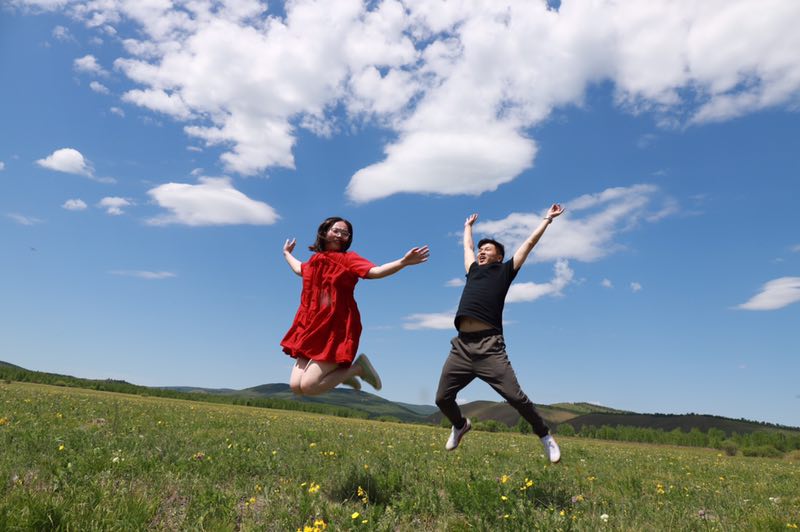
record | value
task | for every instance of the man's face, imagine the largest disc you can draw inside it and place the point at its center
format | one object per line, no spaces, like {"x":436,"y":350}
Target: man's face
{"x":487,"y":254}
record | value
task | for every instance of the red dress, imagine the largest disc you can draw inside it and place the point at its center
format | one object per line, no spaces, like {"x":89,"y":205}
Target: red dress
{"x":327,"y":326}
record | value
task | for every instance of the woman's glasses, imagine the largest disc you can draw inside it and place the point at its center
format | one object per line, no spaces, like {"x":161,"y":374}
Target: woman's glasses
{"x":340,"y":232}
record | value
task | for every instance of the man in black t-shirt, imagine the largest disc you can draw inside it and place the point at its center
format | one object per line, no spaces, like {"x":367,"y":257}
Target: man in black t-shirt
{"x":479,"y":350}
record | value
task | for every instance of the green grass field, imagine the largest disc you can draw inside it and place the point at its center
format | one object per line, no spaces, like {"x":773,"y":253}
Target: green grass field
{"x":73,"y":459}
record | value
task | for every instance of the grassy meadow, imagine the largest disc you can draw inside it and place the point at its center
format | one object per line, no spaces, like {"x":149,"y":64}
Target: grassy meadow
{"x":73,"y":459}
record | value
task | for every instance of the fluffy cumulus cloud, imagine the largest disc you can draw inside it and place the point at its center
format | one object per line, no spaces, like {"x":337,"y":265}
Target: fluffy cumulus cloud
{"x":775,"y":294}
{"x":459,"y":84}
{"x":529,"y":291}
{"x":67,"y":160}
{"x":114,"y":205}
{"x":2,"y":166}
{"x":88,"y":64}
{"x":434,"y":320}
{"x":98,"y":87}
{"x":213,"y":201}
{"x":74,"y":205}
{"x":588,"y":229}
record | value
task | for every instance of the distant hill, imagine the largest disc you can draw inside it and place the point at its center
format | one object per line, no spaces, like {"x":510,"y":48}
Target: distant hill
{"x":667,"y":422}
{"x":505,"y":413}
{"x":347,"y":402}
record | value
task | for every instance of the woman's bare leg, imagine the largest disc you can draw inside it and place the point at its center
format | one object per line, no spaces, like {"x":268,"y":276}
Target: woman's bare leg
{"x":320,"y":377}
{"x":297,"y":374}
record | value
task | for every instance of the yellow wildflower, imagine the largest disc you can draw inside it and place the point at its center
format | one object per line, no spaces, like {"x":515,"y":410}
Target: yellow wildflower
{"x":61,"y":447}
{"x":3,"y":421}
{"x":504,"y":479}
{"x":313,"y":488}
{"x":503,"y":498}
{"x":354,"y":515}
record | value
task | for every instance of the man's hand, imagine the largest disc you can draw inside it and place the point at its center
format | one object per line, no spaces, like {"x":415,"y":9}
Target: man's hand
{"x":554,"y":210}
{"x":470,"y":219}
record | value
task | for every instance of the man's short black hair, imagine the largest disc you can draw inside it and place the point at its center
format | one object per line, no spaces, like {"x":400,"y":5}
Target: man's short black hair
{"x":501,"y":250}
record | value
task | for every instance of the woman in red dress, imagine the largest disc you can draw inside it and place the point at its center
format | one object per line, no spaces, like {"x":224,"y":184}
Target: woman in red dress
{"x":327,"y":327}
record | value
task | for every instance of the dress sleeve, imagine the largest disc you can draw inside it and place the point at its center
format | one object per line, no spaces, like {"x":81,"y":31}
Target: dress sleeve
{"x":358,"y":264}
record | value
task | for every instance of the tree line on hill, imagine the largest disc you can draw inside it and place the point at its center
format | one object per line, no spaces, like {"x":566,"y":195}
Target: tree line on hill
{"x":768,"y":443}
{"x":9,"y":372}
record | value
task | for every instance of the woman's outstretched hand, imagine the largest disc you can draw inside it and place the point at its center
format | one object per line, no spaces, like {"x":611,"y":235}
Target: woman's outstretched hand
{"x":415,"y":256}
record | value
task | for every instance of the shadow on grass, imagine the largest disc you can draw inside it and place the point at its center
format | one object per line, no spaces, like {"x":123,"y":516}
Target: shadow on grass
{"x":374,"y":489}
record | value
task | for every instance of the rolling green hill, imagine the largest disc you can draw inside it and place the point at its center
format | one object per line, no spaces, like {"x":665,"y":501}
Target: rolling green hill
{"x":505,"y":413}
{"x":351,"y":403}
{"x":667,"y":422}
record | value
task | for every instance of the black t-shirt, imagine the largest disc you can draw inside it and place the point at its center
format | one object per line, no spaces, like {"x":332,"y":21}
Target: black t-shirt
{"x":484,"y":295}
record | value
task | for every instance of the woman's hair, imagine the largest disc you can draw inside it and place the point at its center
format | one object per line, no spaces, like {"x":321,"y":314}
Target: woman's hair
{"x":322,"y":234}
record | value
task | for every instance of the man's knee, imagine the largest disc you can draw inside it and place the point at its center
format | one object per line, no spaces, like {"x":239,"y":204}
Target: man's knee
{"x":443,"y":398}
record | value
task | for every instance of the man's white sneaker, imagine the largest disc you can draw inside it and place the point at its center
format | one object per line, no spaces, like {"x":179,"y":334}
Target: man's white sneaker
{"x":456,"y":435}
{"x":368,"y":373}
{"x":551,"y":449}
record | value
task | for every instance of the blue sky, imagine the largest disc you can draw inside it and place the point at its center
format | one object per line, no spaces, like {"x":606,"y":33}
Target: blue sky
{"x":154,"y":156}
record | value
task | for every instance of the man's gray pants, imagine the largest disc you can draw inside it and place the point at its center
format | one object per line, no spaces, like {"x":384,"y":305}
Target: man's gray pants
{"x":484,"y":356}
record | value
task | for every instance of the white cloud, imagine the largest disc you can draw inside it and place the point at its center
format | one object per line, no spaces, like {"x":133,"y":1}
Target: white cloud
{"x":436,"y":320}
{"x":98,"y":87}
{"x":459,"y":84}
{"x":456,"y":282}
{"x":88,"y":64}
{"x":589,"y":227}
{"x":61,"y":33}
{"x":71,"y":161}
{"x":212,"y":202}
{"x":636,"y":287}
{"x":775,"y":294}
{"x":74,"y":205}
{"x":114,"y":205}
{"x":143,"y":274}
{"x":24,"y":220}
{"x":67,"y":160}
{"x":606,"y":283}
{"x":117,"y":111}
{"x":521,"y":292}
{"x":2,"y":166}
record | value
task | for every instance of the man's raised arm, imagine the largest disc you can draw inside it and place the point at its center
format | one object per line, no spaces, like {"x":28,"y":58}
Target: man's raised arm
{"x":524,"y":250}
{"x":469,"y":245}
